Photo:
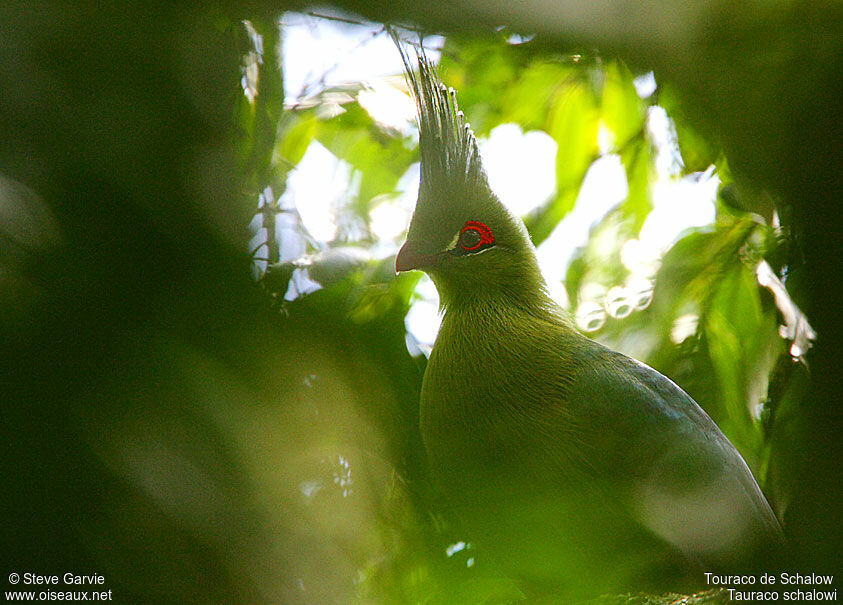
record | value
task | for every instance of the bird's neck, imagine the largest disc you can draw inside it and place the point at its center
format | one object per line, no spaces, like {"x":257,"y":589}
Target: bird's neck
{"x":498,"y":300}
{"x":502,"y":314}
{"x":515,"y":283}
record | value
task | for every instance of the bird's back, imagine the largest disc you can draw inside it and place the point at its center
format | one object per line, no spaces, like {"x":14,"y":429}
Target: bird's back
{"x":687,"y":483}
{"x":580,"y":466}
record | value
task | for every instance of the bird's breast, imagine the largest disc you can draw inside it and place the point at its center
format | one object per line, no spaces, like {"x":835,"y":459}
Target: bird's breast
{"x":493,"y":398}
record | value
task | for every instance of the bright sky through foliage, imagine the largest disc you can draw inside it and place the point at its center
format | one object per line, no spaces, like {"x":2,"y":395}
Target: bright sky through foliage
{"x":319,"y":53}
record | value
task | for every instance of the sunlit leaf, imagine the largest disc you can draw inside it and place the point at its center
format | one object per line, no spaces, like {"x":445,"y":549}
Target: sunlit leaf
{"x":380,"y":158}
{"x":572,"y":123}
{"x":480,"y":70}
{"x":637,"y":163}
{"x":296,"y":132}
{"x":529,"y":98}
{"x":698,"y":152}
{"x":734,"y":327}
{"x":623,"y":111}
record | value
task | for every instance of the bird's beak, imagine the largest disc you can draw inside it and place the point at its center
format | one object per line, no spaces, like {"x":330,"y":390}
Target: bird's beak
{"x":408,"y":259}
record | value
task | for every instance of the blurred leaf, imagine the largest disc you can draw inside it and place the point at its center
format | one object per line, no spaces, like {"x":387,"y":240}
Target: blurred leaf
{"x":480,"y":70}
{"x":698,"y":152}
{"x":484,"y":591}
{"x":637,"y":163}
{"x":572,"y":123}
{"x":741,"y":197}
{"x":380,"y":158}
{"x":692,"y":266}
{"x":527,"y":101}
{"x":297,"y":130}
{"x":337,"y":263}
{"x":623,"y":111}
{"x":738,"y":334}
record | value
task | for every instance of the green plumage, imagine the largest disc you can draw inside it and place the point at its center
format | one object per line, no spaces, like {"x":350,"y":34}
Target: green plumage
{"x":572,"y":465}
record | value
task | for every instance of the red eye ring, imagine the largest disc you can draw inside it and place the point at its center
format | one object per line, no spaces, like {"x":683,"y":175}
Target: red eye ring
{"x":486,"y":238}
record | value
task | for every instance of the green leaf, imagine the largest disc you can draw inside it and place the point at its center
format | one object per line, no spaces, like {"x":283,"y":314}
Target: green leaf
{"x":527,"y":101}
{"x":623,"y":110}
{"x":379,"y":157}
{"x":695,"y":263}
{"x":479,"y":70}
{"x":484,"y":591}
{"x":637,"y":162}
{"x":733,"y":324}
{"x":573,"y":124}
{"x":698,"y":152}
{"x":296,"y":132}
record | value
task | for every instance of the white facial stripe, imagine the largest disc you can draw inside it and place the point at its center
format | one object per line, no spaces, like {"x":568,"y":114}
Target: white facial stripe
{"x":481,"y":251}
{"x":453,"y":243}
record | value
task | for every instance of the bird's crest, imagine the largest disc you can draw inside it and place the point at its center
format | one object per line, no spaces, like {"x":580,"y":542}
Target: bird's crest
{"x":461,"y":234}
{"x":449,"y":157}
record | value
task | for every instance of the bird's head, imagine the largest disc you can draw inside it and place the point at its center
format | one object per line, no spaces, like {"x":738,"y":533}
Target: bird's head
{"x":461,"y":234}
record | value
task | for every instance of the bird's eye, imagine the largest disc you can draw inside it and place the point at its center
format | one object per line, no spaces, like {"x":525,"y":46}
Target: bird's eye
{"x":474,"y":235}
{"x":470,"y":239}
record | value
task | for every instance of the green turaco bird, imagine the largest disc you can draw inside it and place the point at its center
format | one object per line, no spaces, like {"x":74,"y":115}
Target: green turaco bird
{"x":574,"y":466}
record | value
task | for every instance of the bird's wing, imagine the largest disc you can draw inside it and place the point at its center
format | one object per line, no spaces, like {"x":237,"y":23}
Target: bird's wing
{"x":684,"y":480}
